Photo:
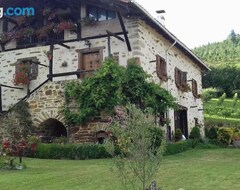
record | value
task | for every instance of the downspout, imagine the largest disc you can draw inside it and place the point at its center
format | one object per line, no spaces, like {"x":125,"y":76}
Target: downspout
{"x":167,"y":114}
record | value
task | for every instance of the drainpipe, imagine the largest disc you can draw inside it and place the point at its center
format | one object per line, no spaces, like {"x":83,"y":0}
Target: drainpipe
{"x":167,"y":116}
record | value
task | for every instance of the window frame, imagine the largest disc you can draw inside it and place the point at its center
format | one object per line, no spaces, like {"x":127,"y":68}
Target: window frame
{"x":98,"y":10}
{"x":180,"y":79}
{"x":88,"y":51}
{"x":33,"y":70}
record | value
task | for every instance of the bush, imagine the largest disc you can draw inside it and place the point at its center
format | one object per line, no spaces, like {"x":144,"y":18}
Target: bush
{"x":195,"y":133}
{"x":71,"y":151}
{"x":209,"y":93}
{"x":225,"y":135}
{"x":178,"y":147}
{"x":212,"y":133}
{"x":156,"y":136}
{"x":178,"y":135}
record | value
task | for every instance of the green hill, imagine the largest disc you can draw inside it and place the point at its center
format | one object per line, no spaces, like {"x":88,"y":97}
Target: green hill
{"x":218,"y":53}
{"x":224,"y":61}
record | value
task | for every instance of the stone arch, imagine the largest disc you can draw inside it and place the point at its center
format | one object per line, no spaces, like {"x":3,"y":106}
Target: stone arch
{"x":100,"y":136}
{"x":53,"y":128}
{"x":39,"y":118}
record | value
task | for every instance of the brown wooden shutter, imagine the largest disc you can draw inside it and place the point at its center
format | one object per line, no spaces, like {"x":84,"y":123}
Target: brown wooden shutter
{"x":161,"y":68}
{"x":194,"y":88}
{"x":158,"y":66}
{"x":178,"y":77}
{"x":33,"y":70}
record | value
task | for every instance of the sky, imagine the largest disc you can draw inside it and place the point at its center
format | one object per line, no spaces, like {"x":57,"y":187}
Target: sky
{"x":197,"y":22}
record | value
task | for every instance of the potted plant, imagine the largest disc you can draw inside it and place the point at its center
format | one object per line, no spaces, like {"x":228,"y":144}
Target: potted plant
{"x":65,"y":25}
{"x":21,"y":75}
{"x":88,"y":21}
{"x":236,"y":139}
{"x":185,"y":87}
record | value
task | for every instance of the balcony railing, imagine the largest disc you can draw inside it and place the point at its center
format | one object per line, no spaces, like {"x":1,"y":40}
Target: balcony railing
{"x":35,"y":40}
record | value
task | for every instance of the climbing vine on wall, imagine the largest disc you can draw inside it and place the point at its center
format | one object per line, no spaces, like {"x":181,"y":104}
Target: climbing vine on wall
{"x":110,"y":86}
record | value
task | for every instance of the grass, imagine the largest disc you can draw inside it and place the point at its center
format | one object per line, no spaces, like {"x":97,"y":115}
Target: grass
{"x":192,"y":170}
{"x":228,"y":103}
{"x":219,"y":120}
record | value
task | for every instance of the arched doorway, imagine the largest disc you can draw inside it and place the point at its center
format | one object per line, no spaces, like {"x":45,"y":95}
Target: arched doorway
{"x":52,"y":128}
{"x":100,"y":136}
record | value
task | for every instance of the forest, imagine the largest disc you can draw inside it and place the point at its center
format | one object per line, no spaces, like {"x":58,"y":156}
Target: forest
{"x":223,"y":58}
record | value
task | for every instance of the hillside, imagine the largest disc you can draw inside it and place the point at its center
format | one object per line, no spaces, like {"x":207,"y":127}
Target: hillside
{"x":225,"y":52}
{"x":224,"y":60}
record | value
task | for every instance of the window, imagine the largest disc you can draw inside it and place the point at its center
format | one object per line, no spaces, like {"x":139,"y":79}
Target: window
{"x":90,"y":60}
{"x":194,"y":88}
{"x":100,"y":14}
{"x":161,"y":68}
{"x":181,"y":80}
{"x":29,"y":66}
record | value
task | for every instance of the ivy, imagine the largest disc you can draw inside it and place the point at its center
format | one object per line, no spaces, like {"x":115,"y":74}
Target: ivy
{"x":110,"y":86}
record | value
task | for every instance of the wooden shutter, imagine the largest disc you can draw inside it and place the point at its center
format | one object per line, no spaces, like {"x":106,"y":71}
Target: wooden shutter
{"x":183,"y":78}
{"x":33,"y":70}
{"x":178,"y":77}
{"x":194,"y":88}
{"x":161,"y":68}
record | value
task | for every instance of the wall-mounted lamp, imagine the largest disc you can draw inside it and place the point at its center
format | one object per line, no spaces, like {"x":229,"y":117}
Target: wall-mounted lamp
{"x":88,"y":43}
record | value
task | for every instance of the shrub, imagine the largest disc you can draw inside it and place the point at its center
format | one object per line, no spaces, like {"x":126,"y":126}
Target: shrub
{"x":225,"y":135}
{"x":178,"y":147}
{"x":156,"y":136}
{"x":212,"y":133}
{"x":71,"y":151}
{"x":195,"y":133}
{"x":178,"y":135}
{"x":208,"y":94}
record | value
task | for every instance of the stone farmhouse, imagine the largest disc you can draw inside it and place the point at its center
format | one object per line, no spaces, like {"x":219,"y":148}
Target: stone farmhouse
{"x":66,"y":39}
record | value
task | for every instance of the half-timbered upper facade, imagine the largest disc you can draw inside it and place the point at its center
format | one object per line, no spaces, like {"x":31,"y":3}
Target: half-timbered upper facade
{"x":64,"y":40}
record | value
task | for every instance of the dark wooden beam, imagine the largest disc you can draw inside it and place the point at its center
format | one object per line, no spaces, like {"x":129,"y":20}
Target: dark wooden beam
{"x":114,"y":35}
{"x":69,"y":73}
{"x":1,"y":99}
{"x":61,"y":44}
{"x":14,"y":87}
{"x":39,"y":64}
{"x":9,"y":19}
{"x":109,"y":46}
{"x":123,"y":29}
{"x":51,"y":62}
{"x":100,"y":36}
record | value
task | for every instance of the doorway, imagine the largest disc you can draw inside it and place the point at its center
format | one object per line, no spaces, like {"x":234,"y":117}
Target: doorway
{"x":181,"y":121}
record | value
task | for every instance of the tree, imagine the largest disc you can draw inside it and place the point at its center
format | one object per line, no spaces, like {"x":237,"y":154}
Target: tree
{"x":140,"y":158}
{"x":232,"y":36}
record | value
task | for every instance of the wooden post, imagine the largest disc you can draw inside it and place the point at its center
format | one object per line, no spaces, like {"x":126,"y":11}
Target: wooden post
{"x":109,"y":46}
{"x":1,"y":98}
{"x":51,"y":62}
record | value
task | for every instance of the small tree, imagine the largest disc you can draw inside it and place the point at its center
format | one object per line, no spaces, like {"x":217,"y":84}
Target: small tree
{"x":221,"y":99}
{"x":235,"y":99}
{"x":140,"y":157}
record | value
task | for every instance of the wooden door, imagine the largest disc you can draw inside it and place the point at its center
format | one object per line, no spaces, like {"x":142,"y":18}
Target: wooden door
{"x":181,"y":121}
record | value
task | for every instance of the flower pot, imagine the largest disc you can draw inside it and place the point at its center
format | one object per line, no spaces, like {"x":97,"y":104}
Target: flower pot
{"x":236,"y":143}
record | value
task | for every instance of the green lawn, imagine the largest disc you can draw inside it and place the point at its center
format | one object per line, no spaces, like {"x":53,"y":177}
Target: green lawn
{"x":193,"y":170}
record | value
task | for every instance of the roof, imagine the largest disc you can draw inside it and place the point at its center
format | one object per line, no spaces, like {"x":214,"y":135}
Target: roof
{"x":168,"y":35}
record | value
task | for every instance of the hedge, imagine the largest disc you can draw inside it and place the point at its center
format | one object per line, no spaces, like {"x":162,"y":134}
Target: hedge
{"x":94,"y":151}
{"x":71,"y":151}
